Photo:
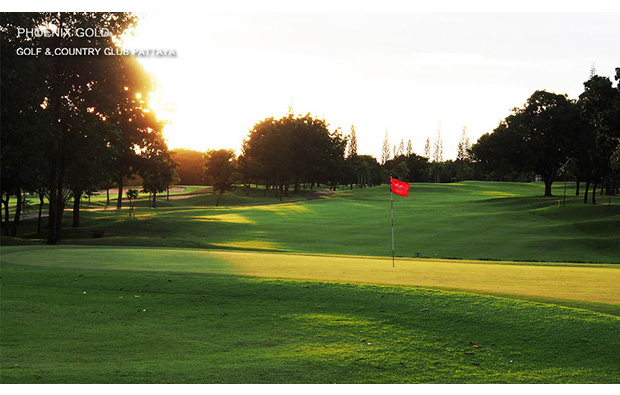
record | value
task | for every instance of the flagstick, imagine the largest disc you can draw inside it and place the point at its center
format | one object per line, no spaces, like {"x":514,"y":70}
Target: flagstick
{"x":392,"y":205}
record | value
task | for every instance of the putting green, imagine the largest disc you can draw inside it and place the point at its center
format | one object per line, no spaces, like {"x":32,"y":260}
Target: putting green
{"x":568,"y":283}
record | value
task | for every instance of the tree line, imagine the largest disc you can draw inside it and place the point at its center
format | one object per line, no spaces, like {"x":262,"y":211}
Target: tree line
{"x":553,"y":136}
{"x":73,"y":124}
{"x":295,"y":151}
{"x":550,"y":136}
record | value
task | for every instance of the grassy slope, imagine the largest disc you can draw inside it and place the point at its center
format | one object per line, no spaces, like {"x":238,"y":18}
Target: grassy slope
{"x":472,"y":220}
{"x":63,"y":325}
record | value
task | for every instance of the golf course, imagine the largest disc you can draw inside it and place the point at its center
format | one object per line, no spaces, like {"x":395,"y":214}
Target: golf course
{"x":491,"y":283}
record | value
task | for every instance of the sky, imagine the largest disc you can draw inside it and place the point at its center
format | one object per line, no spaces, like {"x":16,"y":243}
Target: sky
{"x":409,"y":74}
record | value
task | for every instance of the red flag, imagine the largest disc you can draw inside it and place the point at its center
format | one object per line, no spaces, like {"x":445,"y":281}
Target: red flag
{"x":400,"y":187}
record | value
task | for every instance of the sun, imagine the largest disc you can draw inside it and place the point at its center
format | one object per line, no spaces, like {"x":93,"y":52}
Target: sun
{"x":146,"y":36}
{"x":206,"y":95}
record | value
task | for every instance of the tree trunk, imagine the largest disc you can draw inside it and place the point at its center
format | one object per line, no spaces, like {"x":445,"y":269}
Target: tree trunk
{"x":594,"y":193}
{"x":18,"y":211}
{"x":548,"y":182}
{"x":577,"y":187}
{"x":62,"y":202}
{"x":5,"y":202}
{"x":53,"y":236}
{"x":154,"y":200}
{"x":41,"y":201}
{"x":119,"y":202}
{"x":585,"y":195}
{"x":76,"y":208}
{"x":219,"y":198}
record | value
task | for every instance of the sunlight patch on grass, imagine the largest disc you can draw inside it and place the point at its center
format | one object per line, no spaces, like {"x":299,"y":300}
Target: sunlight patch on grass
{"x":328,"y":352}
{"x":497,"y":194}
{"x":281,"y":209}
{"x":250,"y":244}
{"x":232,"y":218}
{"x":335,"y":195}
{"x":594,"y":284}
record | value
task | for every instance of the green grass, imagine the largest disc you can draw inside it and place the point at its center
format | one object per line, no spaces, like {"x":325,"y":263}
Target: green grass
{"x":294,"y":292}
{"x":124,"y":326}
{"x":591,"y":286}
{"x":471,"y":220}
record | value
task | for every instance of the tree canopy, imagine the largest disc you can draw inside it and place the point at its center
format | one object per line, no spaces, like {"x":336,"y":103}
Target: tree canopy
{"x":81,"y":119}
{"x":291,"y":150}
{"x":220,"y":170}
{"x":550,"y":131}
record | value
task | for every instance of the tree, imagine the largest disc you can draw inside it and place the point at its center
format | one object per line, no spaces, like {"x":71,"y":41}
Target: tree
{"x":500,"y":155}
{"x":25,"y":119}
{"x":352,"y":147}
{"x":385,"y":150}
{"x":418,"y":168}
{"x":427,"y":148}
{"x":401,"y":148}
{"x":132,"y":194}
{"x":136,"y":129}
{"x":158,"y":171}
{"x":535,"y":138}
{"x":219,"y":170}
{"x":438,"y":147}
{"x":65,"y":88}
{"x":437,"y":155}
{"x":462,"y":165}
{"x":547,"y":125}
{"x":409,"y":148}
{"x":368,"y":171}
{"x":462,"y":151}
{"x":87,"y":114}
{"x":292,"y":150}
{"x":86,"y":158}
{"x":401,"y":171}
{"x":190,"y":166}
{"x":599,"y":107}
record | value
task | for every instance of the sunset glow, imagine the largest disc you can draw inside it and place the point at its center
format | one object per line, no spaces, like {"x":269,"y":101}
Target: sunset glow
{"x":402,"y":73}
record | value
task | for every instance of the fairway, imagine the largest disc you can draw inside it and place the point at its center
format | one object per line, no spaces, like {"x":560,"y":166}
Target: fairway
{"x":304,"y":291}
{"x":469,"y":221}
{"x":101,"y":320}
{"x":596,"y":286}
